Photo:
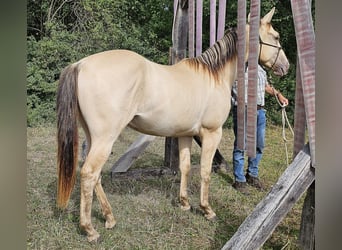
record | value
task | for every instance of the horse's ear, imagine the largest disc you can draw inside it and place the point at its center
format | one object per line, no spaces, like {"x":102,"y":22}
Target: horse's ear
{"x":268,"y":17}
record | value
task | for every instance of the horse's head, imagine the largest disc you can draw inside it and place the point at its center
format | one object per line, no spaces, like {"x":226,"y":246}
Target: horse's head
{"x":271,"y":53}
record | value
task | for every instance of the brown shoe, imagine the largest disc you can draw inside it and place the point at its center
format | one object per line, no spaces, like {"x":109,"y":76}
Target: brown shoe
{"x":254,"y":182}
{"x":241,"y":187}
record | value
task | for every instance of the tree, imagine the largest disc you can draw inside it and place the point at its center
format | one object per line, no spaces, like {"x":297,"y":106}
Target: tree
{"x":60,"y":32}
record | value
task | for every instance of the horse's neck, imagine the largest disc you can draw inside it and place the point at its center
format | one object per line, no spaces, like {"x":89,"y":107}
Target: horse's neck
{"x":229,"y":73}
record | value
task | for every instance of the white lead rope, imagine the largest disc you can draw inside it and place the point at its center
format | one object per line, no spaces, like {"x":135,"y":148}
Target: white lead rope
{"x":284,"y":121}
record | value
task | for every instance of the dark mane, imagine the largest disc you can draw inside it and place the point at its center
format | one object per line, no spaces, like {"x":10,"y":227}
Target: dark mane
{"x":215,"y":57}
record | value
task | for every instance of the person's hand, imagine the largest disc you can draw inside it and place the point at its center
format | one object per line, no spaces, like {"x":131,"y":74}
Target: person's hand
{"x":283,"y":100}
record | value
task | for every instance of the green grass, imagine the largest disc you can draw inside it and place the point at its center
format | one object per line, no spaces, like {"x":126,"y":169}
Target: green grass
{"x":146,"y":207}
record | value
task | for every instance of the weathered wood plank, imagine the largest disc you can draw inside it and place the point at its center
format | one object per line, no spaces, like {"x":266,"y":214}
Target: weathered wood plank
{"x":132,"y":153}
{"x":305,"y":37}
{"x":260,"y":224}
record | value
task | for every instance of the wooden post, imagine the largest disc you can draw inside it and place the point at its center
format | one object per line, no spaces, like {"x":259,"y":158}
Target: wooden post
{"x":191,"y":14}
{"x":171,"y":159}
{"x":252,"y":78}
{"x":241,"y":32}
{"x":181,"y":28}
{"x":221,"y":19}
{"x":199,"y":21}
{"x":178,"y":52}
{"x":299,"y":114}
{"x":212,"y":22}
{"x":305,"y":38}
{"x":131,"y":154}
{"x":307,"y":226}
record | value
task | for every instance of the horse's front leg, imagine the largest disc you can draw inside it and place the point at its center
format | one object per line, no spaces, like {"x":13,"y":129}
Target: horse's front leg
{"x":210,"y":142}
{"x":184,"y":145}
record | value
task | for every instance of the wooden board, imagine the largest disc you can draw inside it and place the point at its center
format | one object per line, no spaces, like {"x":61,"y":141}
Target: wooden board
{"x":177,"y":53}
{"x":260,"y":224}
{"x":307,"y":227}
{"x":132,"y":153}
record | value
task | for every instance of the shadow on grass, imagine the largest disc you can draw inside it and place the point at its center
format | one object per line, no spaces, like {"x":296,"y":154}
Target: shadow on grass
{"x":138,"y":181}
{"x":71,"y":212}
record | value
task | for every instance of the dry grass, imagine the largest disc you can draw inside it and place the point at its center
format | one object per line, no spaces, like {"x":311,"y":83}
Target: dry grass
{"x":146,"y":207}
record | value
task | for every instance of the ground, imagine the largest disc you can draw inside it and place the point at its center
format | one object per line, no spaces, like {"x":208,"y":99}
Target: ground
{"x":145,"y":204}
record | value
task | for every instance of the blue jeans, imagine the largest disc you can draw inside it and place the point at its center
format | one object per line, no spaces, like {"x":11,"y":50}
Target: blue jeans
{"x":238,"y":154}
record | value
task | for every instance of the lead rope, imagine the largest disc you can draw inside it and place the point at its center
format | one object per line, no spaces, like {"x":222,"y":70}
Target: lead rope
{"x":284,"y":120}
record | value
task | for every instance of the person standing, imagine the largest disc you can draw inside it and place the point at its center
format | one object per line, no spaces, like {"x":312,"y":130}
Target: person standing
{"x":252,"y":174}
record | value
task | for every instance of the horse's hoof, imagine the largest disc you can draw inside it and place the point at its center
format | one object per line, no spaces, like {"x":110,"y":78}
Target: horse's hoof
{"x":185,"y":208}
{"x":110,"y":223}
{"x":211,"y":217}
{"x":94,"y":238}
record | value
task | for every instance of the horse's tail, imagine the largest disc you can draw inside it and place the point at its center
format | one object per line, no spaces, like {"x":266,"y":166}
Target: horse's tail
{"x":67,"y":133}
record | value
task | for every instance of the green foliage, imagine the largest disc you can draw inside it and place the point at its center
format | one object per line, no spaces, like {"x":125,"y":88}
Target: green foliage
{"x":45,"y":59}
{"x":62,"y":32}
{"x":286,"y":85}
{"x":59,"y":34}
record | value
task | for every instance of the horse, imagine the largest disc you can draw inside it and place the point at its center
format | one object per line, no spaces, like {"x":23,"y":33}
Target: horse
{"x":107,"y":91}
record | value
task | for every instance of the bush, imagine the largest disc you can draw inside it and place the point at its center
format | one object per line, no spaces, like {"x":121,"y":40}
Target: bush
{"x":46,"y":58}
{"x":78,"y":29}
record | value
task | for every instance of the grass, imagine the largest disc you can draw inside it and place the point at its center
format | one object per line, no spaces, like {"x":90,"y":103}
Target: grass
{"x":146,"y":207}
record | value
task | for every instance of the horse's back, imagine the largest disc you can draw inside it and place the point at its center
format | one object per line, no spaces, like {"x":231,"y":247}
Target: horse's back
{"x":112,"y":61}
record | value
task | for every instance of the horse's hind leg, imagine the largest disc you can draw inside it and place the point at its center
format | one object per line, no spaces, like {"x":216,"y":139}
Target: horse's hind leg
{"x":184,"y":144}
{"x":106,"y":208}
{"x":90,"y":174}
{"x":210,"y":142}
{"x":86,"y":143}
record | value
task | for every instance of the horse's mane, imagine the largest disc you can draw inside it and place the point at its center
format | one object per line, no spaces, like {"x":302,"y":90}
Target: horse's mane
{"x":215,"y":57}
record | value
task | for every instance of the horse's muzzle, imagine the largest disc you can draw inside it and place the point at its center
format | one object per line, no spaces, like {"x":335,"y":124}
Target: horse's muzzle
{"x":281,"y":69}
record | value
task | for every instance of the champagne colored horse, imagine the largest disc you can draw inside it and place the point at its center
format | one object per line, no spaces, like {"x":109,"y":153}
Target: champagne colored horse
{"x":111,"y":90}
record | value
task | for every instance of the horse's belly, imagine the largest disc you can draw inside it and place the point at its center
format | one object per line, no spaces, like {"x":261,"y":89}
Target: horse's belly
{"x":166,"y":126}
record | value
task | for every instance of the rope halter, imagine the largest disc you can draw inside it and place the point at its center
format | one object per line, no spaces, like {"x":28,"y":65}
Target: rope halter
{"x":261,"y":42}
